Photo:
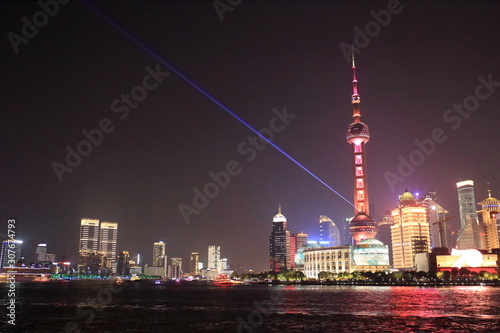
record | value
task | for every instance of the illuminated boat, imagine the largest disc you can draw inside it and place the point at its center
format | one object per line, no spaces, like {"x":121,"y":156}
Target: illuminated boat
{"x":222,"y":280}
{"x":41,"y":278}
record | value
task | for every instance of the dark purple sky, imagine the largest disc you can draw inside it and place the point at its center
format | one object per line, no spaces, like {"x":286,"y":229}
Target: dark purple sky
{"x":263,"y":55}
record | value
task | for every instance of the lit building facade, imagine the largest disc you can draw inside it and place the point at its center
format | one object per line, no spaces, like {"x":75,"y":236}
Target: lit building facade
{"x":384,"y":232}
{"x":362,"y":226}
{"x":328,"y":231}
{"x":108,"y":235}
{"x":194,"y":261}
{"x":293,"y":250}
{"x":159,"y":257}
{"x":410,"y":233}
{"x":213,"y":257}
{"x":89,"y":234}
{"x":334,"y":260}
{"x":437,"y":218}
{"x":175,"y":268}
{"x":11,"y":253}
{"x":470,"y":234}
{"x":487,"y":216}
{"x":41,"y":252}
{"x":301,"y":240}
{"x":279,"y":243}
{"x":123,"y":264}
{"x":369,"y":255}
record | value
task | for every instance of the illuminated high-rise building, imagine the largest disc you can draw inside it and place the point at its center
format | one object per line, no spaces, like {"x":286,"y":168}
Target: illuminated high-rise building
{"x":410,"y":232}
{"x":11,"y":253}
{"x":123,"y":264}
{"x":471,"y":234}
{"x":193,"y":263}
{"x":384,"y":232}
{"x":89,"y":260}
{"x":328,"y":231}
{"x":89,"y":235}
{"x":213,"y":257}
{"x":159,"y":257}
{"x":362,"y":226}
{"x":437,"y":217}
{"x":175,"y":268}
{"x":108,"y":234}
{"x":301,"y":240}
{"x":490,"y":207}
{"x":279,"y":244}
{"x":41,"y":252}
{"x":293,"y":250}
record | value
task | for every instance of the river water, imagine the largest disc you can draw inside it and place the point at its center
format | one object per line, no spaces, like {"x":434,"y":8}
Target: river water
{"x":94,"y":306}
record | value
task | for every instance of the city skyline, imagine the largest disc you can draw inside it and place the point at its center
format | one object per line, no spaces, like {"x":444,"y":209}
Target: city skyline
{"x":65,"y":79}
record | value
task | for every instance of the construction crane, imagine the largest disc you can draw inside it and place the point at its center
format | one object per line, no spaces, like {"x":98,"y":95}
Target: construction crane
{"x":440,"y":224}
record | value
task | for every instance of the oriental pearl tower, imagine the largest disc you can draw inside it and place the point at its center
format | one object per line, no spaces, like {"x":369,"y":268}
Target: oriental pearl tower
{"x":362,"y":226}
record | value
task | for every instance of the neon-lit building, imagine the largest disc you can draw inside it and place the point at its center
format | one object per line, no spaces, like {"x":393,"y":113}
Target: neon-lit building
{"x":410,"y":233}
{"x":293,"y":250}
{"x":367,"y":253}
{"x":362,"y":226}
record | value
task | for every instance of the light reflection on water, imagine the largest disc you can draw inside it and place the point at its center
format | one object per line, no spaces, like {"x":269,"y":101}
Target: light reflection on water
{"x":142,"y":307}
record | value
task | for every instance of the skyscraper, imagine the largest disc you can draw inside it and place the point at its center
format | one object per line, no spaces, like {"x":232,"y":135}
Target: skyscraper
{"x":175,"y":268}
{"x":193,"y":263}
{"x":437,"y":220}
{"x":490,"y":207}
{"x":41,"y":252}
{"x":362,"y":226}
{"x":301,"y":240}
{"x":89,"y":235}
{"x":279,"y":243}
{"x":159,"y":258}
{"x":213,"y":257}
{"x":89,"y":260}
{"x":410,"y":233}
{"x":123,"y":264}
{"x":328,"y":231}
{"x":108,"y":234}
{"x":293,"y":250}
{"x":384,"y":232}
{"x":469,"y":236}
{"x":11,"y":253}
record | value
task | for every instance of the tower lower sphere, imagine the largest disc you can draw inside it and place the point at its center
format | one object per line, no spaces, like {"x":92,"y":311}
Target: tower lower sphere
{"x":362,"y":227}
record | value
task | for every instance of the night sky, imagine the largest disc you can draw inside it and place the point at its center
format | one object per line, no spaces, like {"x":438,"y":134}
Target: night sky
{"x":264,"y":55}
